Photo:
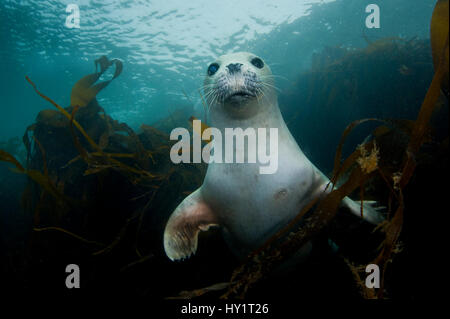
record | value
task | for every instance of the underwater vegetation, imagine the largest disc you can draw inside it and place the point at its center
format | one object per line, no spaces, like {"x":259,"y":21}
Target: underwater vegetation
{"x":387,"y":79}
{"x":15,"y":147}
{"x":100,"y":193}
{"x":91,"y":177}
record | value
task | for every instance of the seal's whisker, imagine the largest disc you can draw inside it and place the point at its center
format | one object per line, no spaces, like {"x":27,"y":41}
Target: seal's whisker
{"x":271,"y":86}
{"x":258,"y":96}
{"x":211,"y":102}
{"x":214,"y":99}
{"x":209,"y":93}
{"x":274,"y":76}
{"x":208,"y":98}
{"x":211,"y":97}
{"x":264,"y":95}
{"x":206,"y":86}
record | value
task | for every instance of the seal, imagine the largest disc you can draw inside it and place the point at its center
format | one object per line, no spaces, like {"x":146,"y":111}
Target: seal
{"x":248,"y":206}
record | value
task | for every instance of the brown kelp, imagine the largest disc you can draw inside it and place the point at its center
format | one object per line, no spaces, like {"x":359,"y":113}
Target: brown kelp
{"x":100,"y":172}
{"x":387,"y":79}
{"x":41,"y":178}
{"x":84,"y":91}
{"x":14,"y":146}
{"x":438,"y":31}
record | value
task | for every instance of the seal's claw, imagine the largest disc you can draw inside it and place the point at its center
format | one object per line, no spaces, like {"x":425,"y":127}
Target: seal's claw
{"x":189,"y":218}
{"x":374,"y":205}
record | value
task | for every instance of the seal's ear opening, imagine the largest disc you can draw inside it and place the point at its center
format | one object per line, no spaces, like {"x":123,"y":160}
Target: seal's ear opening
{"x":189,"y":218}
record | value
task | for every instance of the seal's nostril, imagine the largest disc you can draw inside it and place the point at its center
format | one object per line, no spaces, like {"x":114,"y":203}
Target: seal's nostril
{"x":234,"y":67}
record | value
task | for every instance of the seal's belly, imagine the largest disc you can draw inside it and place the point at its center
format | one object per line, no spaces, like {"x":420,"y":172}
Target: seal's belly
{"x":253,"y":206}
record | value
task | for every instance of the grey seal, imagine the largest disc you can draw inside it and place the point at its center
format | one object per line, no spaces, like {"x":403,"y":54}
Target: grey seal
{"x":248,"y":206}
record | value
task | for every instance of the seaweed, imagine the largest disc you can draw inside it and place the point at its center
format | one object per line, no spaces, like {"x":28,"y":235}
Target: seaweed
{"x":351,"y":84}
{"x":99,"y":159}
{"x":438,"y":31}
{"x":14,"y":146}
{"x":84,"y":90}
{"x":42,"y":179}
{"x":76,"y":169}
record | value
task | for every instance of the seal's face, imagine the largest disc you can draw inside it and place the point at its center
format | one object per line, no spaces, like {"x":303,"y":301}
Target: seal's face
{"x":237,"y":80}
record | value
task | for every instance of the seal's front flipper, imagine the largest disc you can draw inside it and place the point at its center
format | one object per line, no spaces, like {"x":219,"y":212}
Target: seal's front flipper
{"x":371,"y":213}
{"x":188,"y":219}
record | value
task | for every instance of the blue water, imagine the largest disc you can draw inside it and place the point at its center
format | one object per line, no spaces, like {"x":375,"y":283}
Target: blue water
{"x":322,"y":56}
{"x":166,"y":46}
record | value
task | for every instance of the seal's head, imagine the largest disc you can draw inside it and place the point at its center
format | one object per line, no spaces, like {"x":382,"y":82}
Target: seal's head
{"x":238,"y":82}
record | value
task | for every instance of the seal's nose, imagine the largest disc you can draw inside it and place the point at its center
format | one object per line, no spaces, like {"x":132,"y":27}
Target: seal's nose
{"x":234,"y":67}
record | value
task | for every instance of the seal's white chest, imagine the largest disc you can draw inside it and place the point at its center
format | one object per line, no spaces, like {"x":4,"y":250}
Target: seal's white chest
{"x":241,"y":196}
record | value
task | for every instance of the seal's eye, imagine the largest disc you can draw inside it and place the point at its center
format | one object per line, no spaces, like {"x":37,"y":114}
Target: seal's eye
{"x":213,"y":69}
{"x":257,"y":62}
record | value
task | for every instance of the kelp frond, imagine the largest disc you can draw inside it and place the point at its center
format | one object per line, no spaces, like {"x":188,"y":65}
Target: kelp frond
{"x":113,"y":163}
{"x":84,"y":90}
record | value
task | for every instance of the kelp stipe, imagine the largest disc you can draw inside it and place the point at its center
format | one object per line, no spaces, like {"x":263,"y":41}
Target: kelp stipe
{"x":438,"y":31}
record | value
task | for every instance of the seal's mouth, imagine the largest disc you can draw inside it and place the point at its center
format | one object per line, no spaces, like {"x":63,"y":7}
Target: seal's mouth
{"x":236,"y":89}
{"x":239,"y":97}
